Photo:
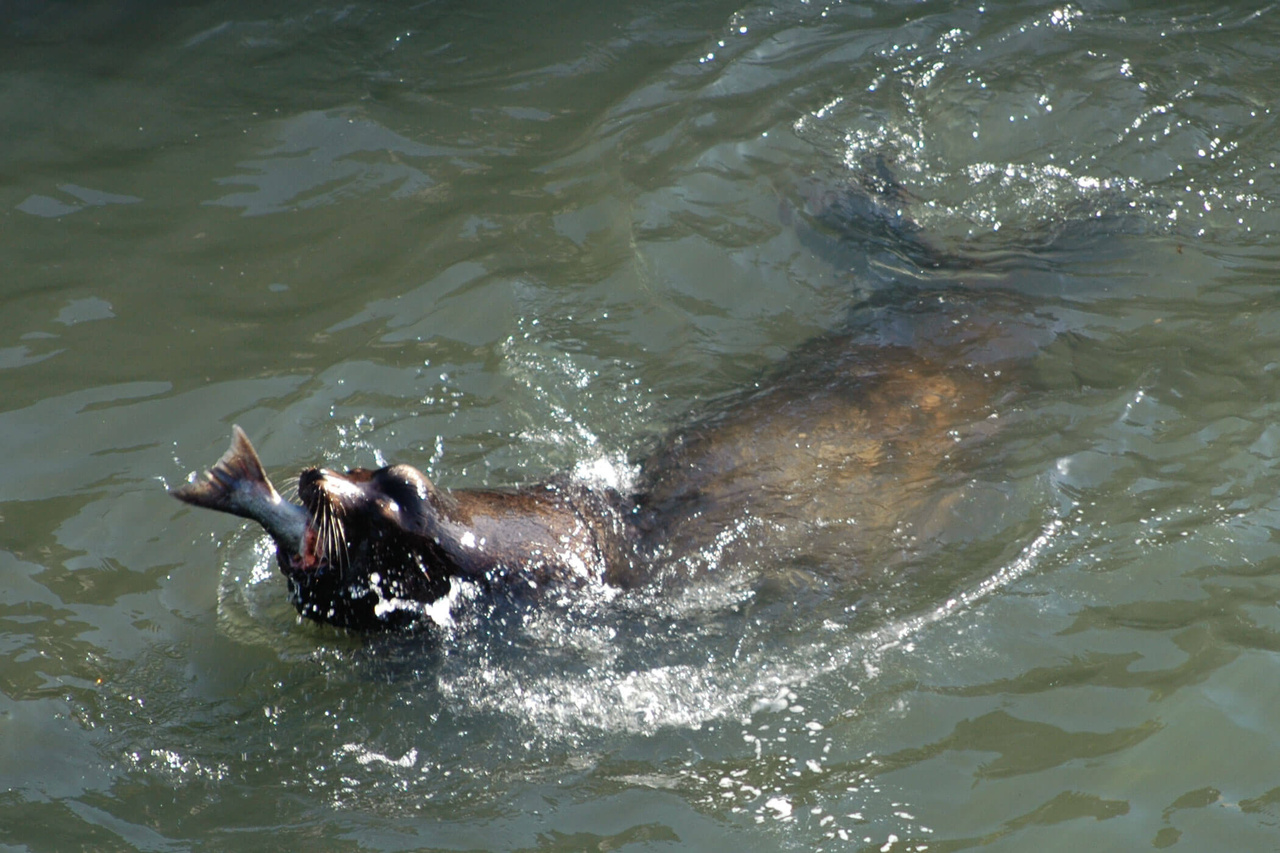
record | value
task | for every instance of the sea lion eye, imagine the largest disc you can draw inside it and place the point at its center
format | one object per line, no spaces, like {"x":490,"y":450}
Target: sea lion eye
{"x":389,"y":507}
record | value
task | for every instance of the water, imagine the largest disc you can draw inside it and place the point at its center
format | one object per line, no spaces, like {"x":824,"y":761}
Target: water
{"x":505,"y":240}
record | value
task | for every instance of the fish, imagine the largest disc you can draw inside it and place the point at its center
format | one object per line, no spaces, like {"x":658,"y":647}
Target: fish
{"x":238,"y":484}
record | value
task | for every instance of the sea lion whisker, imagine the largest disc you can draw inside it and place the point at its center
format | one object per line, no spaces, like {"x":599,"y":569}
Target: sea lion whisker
{"x":320,"y":527}
{"x":329,"y":537}
{"x":339,"y":555}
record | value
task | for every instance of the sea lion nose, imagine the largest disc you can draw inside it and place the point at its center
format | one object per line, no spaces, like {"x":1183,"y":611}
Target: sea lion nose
{"x":309,"y":485}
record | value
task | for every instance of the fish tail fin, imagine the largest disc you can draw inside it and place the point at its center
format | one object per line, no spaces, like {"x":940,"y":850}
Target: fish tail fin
{"x":237,"y":470}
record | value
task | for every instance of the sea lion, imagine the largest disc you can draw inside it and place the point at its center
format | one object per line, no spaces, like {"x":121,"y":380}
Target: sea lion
{"x":841,"y":442}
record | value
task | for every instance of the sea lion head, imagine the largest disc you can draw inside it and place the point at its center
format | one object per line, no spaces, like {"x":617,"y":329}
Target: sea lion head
{"x":367,"y":557}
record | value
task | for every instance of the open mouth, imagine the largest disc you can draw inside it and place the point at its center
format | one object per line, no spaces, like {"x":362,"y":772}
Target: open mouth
{"x":312,"y":554}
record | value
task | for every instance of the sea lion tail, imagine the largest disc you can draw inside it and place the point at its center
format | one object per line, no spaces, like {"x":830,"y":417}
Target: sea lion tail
{"x":223,"y":485}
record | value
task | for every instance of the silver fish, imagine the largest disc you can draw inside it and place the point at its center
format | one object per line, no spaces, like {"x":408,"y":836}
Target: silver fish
{"x":237,"y":484}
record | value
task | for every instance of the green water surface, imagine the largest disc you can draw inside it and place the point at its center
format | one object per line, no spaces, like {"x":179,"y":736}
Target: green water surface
{"x":501,"y":240}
